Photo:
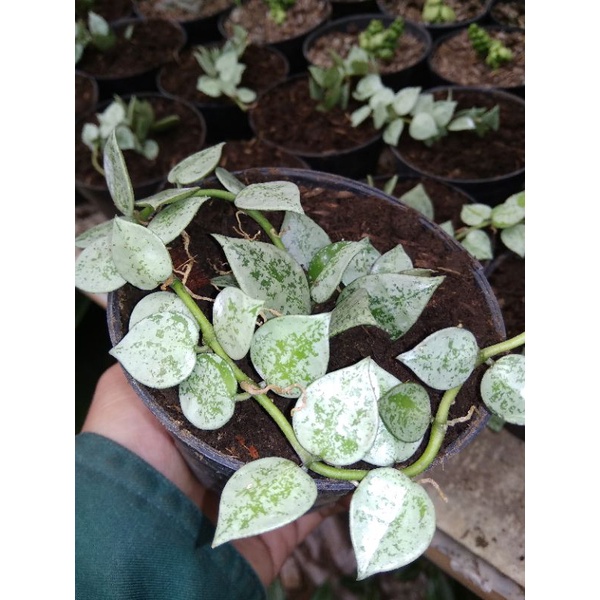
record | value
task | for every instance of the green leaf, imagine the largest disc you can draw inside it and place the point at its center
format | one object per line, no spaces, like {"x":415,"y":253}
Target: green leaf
{"x":234,"y":320}
{"x":88,"y":237}
{"x":361,"y":263}
{"x":354,"y":310}
{"x":418,"y":199}
{"x":397,"y":299}
{"x":443,"y":110}
{"x":291,"y":352}
{"x":95,"y":270}
{"x":117,"y":176}
{"x":197,"y":166}
{"x":139,"y":255}
{"x":423,"y":127}
{"x":506,"y":215}
{"x":336,"y":418}
{"x":272,"y":195}
{"x":207,"y":396}
{"x":478,"y":244}
{"x":360,"y":115}
{"x":302,"y":237}
{"x":263,"y":495}
{"x":229,"y":181}
{"x":388,"y":450}
{"x":405,"y":100}
{"x":159,"y":302}
{"x":406,"y":411}
{"x":502,"y":388}
{"x":160,"y":350}
{"x":392,"y":133}
{"x":166,"y":197}
{"x":392,"y":522}
{"x":444,"y":359}
{"x":393,"y":261}
{"x":514,"y":238}
{"x":474,"y":214}
{"x":267,"y":273}
{"x":173,"y":219}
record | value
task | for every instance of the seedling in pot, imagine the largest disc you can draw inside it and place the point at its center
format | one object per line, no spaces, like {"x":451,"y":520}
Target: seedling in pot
{"x":278,"y":9}
{"x":437,"y":12}
{"x":493,"y":51}
{"x":96,"y":32}
{"x":265,"y":311}
{"x":381,"y":42}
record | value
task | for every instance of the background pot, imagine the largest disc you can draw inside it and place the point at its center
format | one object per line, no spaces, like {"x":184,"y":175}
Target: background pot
{"x":328,"y":199}
{"x":413,"y":72}
{"x":344,"y":8}
{"x":507,"y":12}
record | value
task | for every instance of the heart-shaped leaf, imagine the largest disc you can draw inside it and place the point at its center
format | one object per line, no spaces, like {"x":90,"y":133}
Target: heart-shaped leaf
{"x":302,"y":237}
{"x":291,"y":352}
{"x":394,"y":261}
{"x":261,"y":496}
{"x":507,"y":214}
{"x":95,"y":270}
{"x":392,"y":521}
{"x":443,"y":359}
{"x":117,"y":176}
{"x":361,"y":263}
{"x":139,"y":255}
{"x":502,"y":387}
{"x":197,"y":166}
{"x":234,"y":320}
{"x":267,"y":273}
{"x":159,"y":302}
{"x":406,"y":411}
{"x":478,"y":244}
{"x":418,"y":199}
{"x":207,"y":396}
{"x":160,"y":350}
{"x":271,"y":195}
{"x":173,"y":219}
{"x":474,"y":214}
{"x":336,"y":418}
{"x":229,"y":181}
{"x":101,"y":230}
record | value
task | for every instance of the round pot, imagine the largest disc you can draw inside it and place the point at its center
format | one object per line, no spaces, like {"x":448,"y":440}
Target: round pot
{"x":201,"y":26}
{"x":224,"y":118}
{"x":453,"y":61}
{"x":146,"y":176}
{"x":86,"y":95}
{"x":507,"y":13}
{"x":131,"y":66}
{"x":409,"y":66}
{"x":458,"y":158}
{"x":347,"y":209}
{"x":467,"y":12}
{"x":325,"y":140}
{"x":302,"y":18}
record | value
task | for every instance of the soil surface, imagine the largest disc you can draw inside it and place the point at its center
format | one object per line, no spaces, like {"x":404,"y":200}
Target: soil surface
{"x":509,"y":12}
{"x":454,"y":59}
{"x":163,"y":9}
{"x":465,"y":10}
{"x":86,"y":95}
{"x":110,"y":10}
{"x":246,"y":154}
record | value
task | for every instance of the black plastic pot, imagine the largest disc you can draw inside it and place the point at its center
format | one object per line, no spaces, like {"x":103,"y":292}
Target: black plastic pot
{"x":412,"y":75}
{"x":392,"y":222}
{"x":345,"y":8}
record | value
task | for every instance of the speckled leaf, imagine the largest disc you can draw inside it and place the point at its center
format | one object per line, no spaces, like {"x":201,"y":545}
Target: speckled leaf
{"x":392,"y":521}
{"x":292,"y":350}
{"x":234,"y":320}
{"x":406,"y":411}
{"x":444,"y":359}
{"x":361,"y":263}
{"x":353,"y":311}
{"x":502,"y":388}
{"x":261,"y":496}
{"x":223,"y":281}
{"x":166,"y":197}
{"x":195,"y":167}
{"x":174,"y":218}
{"x":271,"y":195}
{"x":207,"y":396}
{"x":160,"y":350}
{"x":336,"y":418}
{"x":267,"y":273}
{"x":394,"y":261}
{"x":139,"y":255}
{"x":397,"y":299}
{"x":117,"y":176}
{"x":507,"y":214}
{"x":302,"y":237}
{"x":328,"y":265}
{"x":229,"y":181}
{"x":478,"y":244}
{"x":88,"y":237}
{"x":159,"y":302}
{"x":95,"y":270}
{"x":474,"y":214}
{"x":514,"y":238}
{"x":388,"y":450}
{"x":418,"y":199}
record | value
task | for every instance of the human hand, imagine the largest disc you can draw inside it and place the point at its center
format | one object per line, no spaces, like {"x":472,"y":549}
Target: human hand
{"x":117,"y":413}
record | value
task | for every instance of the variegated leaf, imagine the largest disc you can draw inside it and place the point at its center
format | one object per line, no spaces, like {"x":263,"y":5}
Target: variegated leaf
{"x":229,"y":181}
{"x":388,"y":450}
{"x":207,"y":396}
{"x":117,"y":176}
{"x":418,"y":199}
{"x":507,"y":214}
{"x":139,"y":255}
{"x":406,"y":411}
{"x":159,"y":302}
{"x":292,"y":351}
{"x":166,"y":197}
{"x":261,"y":496}
{"x":502,"y":388}
{"x":478,"y":244}
{"x":271,"y":195}
{"x":353,"y":311}
{"x":174,"y":218}
{"x":392,"y":521}
{"x":443,"y":359}
{"x":195,"y":167}
{"x":514,"y":238}
{"x":267,"y":273}
{"x":336,"y":418}
{"x":474,"y":214}
{"x":85,"y":239}
{"x":160,"y":350}
{"x":361,"y":264}
{"x":394,"y":261}
{"x":95,"y":270}
{"x":234,"y":320}
{"x":302,"y":237}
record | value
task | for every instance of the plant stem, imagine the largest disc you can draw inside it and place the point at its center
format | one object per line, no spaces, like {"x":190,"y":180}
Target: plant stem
{"x":505,"y":346}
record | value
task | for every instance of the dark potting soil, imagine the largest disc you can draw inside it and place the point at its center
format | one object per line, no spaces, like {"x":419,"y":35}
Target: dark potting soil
{"x":153,"y":42}
{"x":110,"y":10}
{"x":160,"y":9}
{"x":253,"y":16}
{"x":251,"y":433}
{"x":464,"y":154}
{"x":238,"y":155}
{"x":86,"y":95}
{"x":509,"y":12}
{"x":174,"y":144}
{"x":411,"y":10}
{"x":455,"y":60}
{"x":264,"y":67}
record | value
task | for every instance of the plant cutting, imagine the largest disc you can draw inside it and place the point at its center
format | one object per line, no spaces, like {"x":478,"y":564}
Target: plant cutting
{"x":493,"y":51}
{"x":437,"y":11}
{"x":277,"y":309}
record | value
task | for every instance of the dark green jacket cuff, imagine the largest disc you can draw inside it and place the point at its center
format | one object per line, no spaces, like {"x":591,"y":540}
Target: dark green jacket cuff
{"x":138,"y":536}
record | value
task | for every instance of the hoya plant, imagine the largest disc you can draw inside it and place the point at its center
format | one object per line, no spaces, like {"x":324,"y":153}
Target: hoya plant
{"x":265,"y":311}
{"x":437,"y":12}
{"x":379,"y":41}
{"x":94,"y":31}
{"x":491,"y":50}
{"x":132,"y":124}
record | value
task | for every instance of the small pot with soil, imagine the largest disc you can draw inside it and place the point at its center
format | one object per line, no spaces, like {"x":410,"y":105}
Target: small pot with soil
{"x":326,"y":140}
{"x":406,"y":66}
{"x":86,"y":94}
{"x":285,"y":30}
{"x":199,"y":18}
{"x":187,"y":135}
{"x":454,"y":59}
{"x":142,"y":46}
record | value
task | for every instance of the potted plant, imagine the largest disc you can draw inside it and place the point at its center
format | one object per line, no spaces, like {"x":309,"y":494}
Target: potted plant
{"x":344,"y":417}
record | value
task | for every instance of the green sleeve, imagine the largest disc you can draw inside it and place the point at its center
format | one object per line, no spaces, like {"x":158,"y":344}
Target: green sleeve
{"x":137,"y":536}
